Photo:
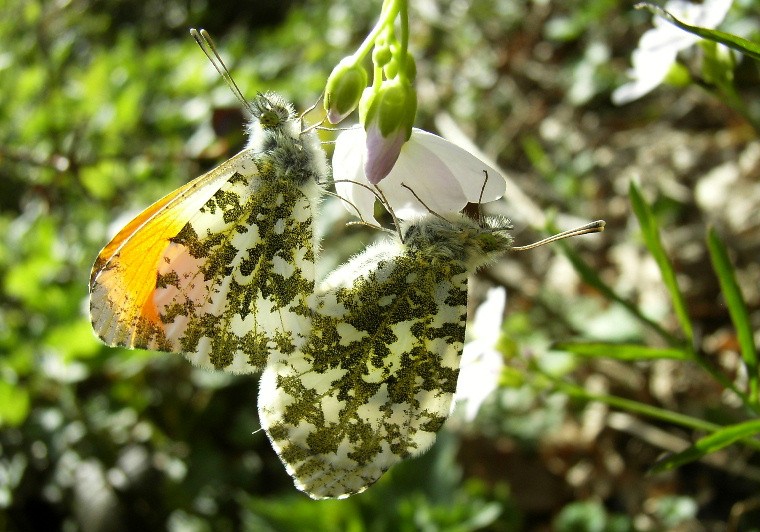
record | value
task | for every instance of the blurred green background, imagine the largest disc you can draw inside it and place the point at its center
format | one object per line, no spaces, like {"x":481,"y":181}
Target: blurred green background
{"x":107,"y":105}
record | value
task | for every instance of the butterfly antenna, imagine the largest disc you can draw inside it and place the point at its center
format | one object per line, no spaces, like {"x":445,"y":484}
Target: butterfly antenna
{"x":373,"y":226}
{"x":206,"y":44}
{"x":593,"y":227}
{"x":375,"y":192}
{"x":309,"y":110}
{"x":361,"y":221}
{"x":378,"y":195}
{"x":390,"y":210}
{"x":431,"y":211}
{"x":315,"y":125}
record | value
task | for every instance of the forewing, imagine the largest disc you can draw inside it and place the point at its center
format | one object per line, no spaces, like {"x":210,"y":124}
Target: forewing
{"x":124,"y":274}
{"x":212,"y":270}
{"x":375,"y":380}
{"x":234,"y":282}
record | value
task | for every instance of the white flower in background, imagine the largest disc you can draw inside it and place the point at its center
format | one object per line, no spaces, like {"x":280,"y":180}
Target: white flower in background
{"x":443,"y":175}
{"x":481,"y":364}
{"x":658,"y":47}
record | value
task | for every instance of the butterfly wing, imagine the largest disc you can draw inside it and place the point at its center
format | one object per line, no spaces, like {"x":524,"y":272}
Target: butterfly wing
{"x":123,"y":276}
{"x":375,"y":380}
{"x":213,"y":270}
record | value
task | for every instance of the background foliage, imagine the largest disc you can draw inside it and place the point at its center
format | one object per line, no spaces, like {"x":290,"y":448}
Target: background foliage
{"x":108,"y":105}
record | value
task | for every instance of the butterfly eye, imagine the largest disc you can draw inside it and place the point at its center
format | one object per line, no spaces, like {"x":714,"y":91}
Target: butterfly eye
{"x":269,"y":119}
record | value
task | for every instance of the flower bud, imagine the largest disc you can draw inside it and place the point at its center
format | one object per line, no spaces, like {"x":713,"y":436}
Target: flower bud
{"x":381,"y":55}
{"x":344,"y":89}
{"x":391,"y":107}
{"x":387,"y":115}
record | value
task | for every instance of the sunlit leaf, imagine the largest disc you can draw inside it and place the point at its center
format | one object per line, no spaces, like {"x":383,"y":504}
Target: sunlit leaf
{"x":736,"y":307}
{"x":710,"y":444}
{"x":735,"y":42}
{"x":651,"y":233}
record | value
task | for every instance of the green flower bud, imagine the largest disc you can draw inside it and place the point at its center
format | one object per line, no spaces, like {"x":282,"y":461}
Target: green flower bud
{"x":387,"y":114}
{"x":381,"y":55}
{"x":368,"y":97}
{"x":391,"y":107}
{"x":391,"y":68}
{"x":344,"y":89}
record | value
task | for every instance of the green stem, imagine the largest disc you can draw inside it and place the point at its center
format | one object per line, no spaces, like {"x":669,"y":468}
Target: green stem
{"x":388,"y":15}
{"x":404,"y":21}
{"x":725,"y":382}
{"x":591,"y":277}
{"x":735,"y":102}
{"x":641,"y":408}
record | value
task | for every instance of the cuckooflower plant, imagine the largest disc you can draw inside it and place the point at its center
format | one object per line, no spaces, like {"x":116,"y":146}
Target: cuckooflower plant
{"x":658,"y":47}
{"x":413,"y":170}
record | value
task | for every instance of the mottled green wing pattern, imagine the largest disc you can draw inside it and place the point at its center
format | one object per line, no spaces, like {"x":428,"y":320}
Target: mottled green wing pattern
{"x":233,"y":283}
{"x":374,"y":381}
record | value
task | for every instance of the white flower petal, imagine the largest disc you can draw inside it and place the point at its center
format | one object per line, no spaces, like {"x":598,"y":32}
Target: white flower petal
{"x":649,"y":70}
{"x":424,"y":172}
{"x":708,"y":14}
{"x":348,"y":169}
{"x":481,"y":364}
{"x":469,"y":171}
{"x":382,"y":153}
{"x":444,"y":176}
{"x":479,"y":374}
{"x":658,"y":47}
{"x":486,"y":325}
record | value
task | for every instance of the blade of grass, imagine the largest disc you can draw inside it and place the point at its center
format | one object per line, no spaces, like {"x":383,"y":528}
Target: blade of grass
{"x":651,"y":233}
{"x":736,"y":308}
{"x":591,"y":278}
{"x":627,"y":352}
{"x":628,"y":405}
{"x":709,"y":444}
{"x":735,"y":42}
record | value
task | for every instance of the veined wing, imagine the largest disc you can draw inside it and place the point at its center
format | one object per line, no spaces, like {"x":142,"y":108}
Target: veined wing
{"x":137,"y":264}
{"x":375,"y":380}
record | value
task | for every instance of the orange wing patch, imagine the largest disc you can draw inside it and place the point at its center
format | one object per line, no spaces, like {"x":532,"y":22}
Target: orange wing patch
{"x":123,"y":278}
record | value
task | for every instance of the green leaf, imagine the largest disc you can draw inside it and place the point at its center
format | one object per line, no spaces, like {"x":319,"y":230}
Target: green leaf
{"x":736,"y":308}
{"x":734,"y":42}
{"x":637,"y":407}
{"x":709,"y":444}
{"x":14,"y":404}
{"x":628,"y":352}
{"x":651,"y":233}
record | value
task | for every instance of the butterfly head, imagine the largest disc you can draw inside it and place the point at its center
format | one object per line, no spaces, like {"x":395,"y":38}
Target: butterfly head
{"x":272,"y":111}
{"x":459,"y":238}
{"x":274,"y":123}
